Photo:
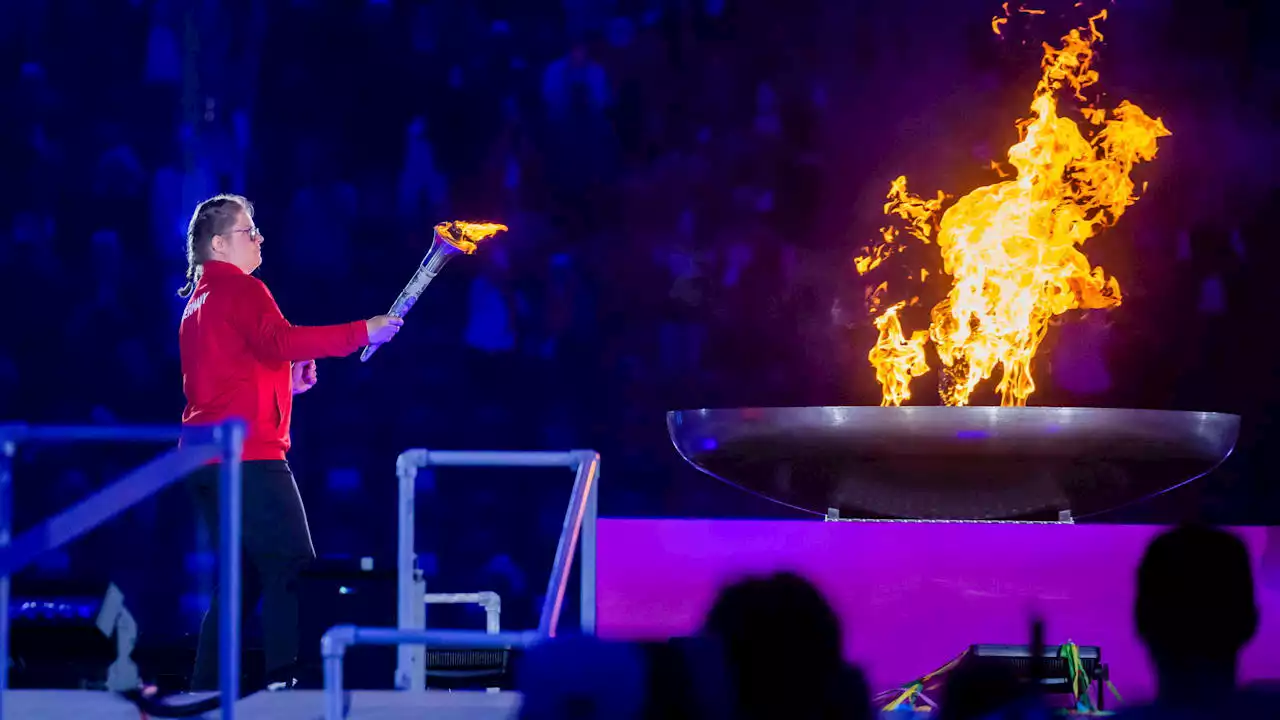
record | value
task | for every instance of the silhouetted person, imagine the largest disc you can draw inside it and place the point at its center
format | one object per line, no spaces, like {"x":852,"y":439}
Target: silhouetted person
{"x":586,"y":678}
{"x":1195,"y":611}
{"x":583,"y":678}
{"x":782,"y":641}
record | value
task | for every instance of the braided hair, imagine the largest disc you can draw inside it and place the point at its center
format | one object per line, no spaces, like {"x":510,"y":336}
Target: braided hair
{"x":214,"y":216}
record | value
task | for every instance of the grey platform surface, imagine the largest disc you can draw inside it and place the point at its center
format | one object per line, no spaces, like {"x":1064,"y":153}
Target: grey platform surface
{"x":296,"y":705}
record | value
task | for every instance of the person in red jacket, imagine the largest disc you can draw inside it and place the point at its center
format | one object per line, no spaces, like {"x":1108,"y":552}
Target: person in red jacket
{"x":241,"y":358}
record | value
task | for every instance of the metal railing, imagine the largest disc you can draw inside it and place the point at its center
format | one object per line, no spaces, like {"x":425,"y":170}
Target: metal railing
{"x":488,"y":600}
{"x":411,"y":635}
{"x":198,"y":448}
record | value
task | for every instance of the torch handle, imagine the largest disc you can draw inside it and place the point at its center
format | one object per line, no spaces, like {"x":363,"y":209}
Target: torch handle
{"x":404,"y":303}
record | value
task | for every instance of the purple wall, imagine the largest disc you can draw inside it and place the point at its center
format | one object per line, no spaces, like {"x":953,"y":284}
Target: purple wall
{"x":911,"y":595}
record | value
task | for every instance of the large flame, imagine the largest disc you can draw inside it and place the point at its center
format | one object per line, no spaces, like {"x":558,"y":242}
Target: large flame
{"x":1014,"y":249}
{"x":467,"y":235}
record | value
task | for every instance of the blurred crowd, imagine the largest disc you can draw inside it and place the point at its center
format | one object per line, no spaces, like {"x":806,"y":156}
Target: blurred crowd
{"x":658,"y":175}
{"x":685,"y":182}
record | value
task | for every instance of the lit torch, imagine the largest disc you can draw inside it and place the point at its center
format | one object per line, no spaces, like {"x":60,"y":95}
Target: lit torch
{"x":451,"y":239}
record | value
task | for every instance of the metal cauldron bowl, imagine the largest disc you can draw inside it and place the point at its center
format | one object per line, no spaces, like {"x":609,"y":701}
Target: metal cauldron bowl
{"x":974,"y":463}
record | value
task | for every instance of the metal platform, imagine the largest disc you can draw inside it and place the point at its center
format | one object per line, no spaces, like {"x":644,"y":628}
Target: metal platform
{"x":966,"y":463}
{"x":295,"y":705}
{"x":304,"y":705}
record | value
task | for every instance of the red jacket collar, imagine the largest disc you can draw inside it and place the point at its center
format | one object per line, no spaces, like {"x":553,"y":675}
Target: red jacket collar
{"x":218,"y":267}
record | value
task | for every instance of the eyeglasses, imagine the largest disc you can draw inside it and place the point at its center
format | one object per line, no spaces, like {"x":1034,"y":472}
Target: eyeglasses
{"x":253,"y":232}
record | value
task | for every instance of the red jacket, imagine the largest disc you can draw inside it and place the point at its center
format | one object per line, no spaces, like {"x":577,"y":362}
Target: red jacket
{"x":237,"y":351}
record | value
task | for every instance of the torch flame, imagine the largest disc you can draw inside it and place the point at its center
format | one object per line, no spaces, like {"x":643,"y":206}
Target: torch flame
{"x":466,"y":235}
{"x":1013,"y":249}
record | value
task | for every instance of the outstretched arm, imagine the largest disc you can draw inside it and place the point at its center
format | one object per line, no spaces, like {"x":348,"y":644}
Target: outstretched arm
{"x":271,"y":337}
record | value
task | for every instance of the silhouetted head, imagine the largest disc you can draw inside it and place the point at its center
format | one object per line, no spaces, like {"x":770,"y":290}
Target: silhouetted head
{"x":1195,"y":597}
{"x":222,"y":228}
{"x":784,"y":609}
{"x":783,"y":641}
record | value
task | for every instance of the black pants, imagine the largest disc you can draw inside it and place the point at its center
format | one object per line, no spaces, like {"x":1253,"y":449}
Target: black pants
{"x":276,"y":547}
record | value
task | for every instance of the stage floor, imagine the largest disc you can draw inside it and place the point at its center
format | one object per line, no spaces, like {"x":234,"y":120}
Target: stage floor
{"x":296,"y":705}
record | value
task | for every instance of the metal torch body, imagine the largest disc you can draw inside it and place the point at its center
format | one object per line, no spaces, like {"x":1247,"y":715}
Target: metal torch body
{"x":441,"y":252}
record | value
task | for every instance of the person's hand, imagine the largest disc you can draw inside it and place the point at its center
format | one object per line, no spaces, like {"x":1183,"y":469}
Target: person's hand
{"x":304,"y":376}
{"x":383,"y":328}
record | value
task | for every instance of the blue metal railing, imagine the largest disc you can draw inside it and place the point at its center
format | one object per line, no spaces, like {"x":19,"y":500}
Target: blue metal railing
{"x":578,"y":532}
{"x":198,"y":448}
